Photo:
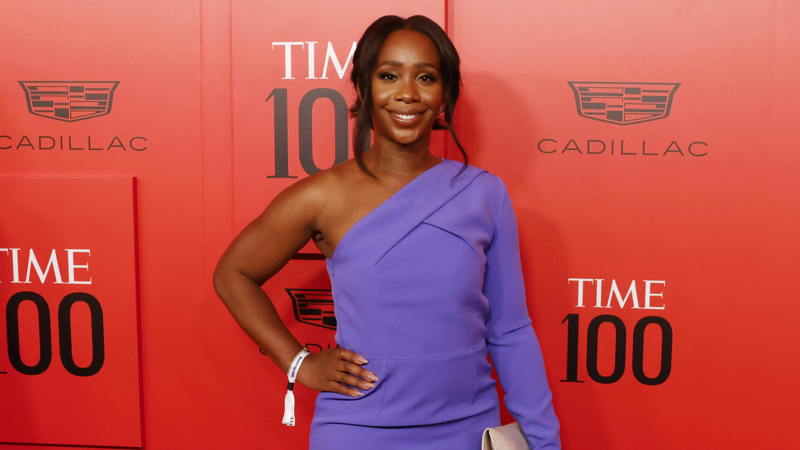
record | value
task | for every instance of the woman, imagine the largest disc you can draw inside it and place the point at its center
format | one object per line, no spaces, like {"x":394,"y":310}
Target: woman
{"x":424,"y":265}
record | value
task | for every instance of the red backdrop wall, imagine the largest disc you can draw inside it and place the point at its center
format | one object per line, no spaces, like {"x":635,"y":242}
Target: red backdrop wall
{"x":647,"y":145}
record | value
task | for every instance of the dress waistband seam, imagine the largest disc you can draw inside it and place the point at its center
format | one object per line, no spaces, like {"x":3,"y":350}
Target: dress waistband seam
{"x":448,"y":355}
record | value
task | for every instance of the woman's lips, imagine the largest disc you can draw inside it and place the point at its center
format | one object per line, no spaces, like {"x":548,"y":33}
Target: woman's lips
{"x":406,"y":119}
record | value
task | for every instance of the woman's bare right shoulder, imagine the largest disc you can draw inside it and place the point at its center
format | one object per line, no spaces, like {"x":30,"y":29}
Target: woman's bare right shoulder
{"x":286,"y":225}
{"x":306,"y":199}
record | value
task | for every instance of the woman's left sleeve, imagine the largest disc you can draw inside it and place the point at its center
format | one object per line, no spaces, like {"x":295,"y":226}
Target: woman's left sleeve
{"x":510,"y":338}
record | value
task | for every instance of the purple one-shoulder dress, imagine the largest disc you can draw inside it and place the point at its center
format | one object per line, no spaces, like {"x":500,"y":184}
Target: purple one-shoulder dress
{"x":425,"y":286}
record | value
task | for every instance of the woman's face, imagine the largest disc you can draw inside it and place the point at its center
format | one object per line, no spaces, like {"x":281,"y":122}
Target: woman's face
{"x":407,"y":90}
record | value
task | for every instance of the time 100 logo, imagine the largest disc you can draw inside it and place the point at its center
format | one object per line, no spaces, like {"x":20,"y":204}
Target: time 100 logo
{"x":620,"y":333}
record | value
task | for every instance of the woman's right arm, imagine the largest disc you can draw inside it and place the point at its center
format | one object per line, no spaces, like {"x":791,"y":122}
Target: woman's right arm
{"x":258,"y":253}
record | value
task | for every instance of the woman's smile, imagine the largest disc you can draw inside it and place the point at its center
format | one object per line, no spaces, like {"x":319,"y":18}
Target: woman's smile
{"x":407,"y":117}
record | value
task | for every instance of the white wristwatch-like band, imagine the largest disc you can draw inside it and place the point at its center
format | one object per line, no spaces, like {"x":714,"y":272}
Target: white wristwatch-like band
{"x":288,"y":404}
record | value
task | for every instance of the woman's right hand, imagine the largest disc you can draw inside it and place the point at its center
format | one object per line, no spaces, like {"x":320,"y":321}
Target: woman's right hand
{"x":334,"y":370}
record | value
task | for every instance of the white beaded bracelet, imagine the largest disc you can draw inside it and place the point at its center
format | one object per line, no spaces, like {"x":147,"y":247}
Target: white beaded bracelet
{"x":288,"y":403}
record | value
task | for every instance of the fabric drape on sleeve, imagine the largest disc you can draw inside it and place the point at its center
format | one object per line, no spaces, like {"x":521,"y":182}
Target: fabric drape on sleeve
{"x":511,"y":340}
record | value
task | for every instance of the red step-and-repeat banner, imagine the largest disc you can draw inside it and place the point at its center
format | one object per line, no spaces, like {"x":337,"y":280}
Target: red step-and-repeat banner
{"x":648,"y":149}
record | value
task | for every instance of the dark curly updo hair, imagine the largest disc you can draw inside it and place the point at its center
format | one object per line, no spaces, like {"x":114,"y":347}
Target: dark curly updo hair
{"x":365,"y":59}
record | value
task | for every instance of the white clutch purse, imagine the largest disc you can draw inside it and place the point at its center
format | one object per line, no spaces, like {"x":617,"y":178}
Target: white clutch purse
{"x":507,"y":437}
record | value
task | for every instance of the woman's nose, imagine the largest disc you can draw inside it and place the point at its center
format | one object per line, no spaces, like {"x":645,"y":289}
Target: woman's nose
{"x":407,"y":91}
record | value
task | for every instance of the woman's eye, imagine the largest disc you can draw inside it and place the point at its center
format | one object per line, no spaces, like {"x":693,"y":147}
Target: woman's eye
{"x":428,"y":78}
{"x":387,"y":76}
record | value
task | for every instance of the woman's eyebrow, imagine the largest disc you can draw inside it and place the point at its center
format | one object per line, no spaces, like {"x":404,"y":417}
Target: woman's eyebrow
{"x":399,"y":64}
{"x":424,"y":64}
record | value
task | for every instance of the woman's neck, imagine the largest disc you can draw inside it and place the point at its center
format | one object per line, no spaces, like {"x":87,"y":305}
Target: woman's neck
{"x":388,"y":158}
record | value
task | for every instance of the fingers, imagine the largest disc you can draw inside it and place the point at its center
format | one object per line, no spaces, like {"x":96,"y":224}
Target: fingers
{"x":344,"y":390}
{"x":336,"y":370}
{"x":355,"y":382}
{"x":353,"y":367}
{"x":347,"y":355}
{"x":358,"y":371}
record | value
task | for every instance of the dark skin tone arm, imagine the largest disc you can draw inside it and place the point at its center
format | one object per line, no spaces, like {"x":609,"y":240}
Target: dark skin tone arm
{"x":260,"y":251}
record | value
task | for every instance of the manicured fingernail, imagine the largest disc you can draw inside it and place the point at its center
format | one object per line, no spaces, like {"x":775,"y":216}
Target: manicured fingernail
{"x":369,"y":385}
{"x":359,"y":394}
{"x":361,"y":360}
{"x":372,"y":377}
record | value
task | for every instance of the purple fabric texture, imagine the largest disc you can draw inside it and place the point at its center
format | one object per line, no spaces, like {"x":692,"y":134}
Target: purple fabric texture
{"x":425,"y":286}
